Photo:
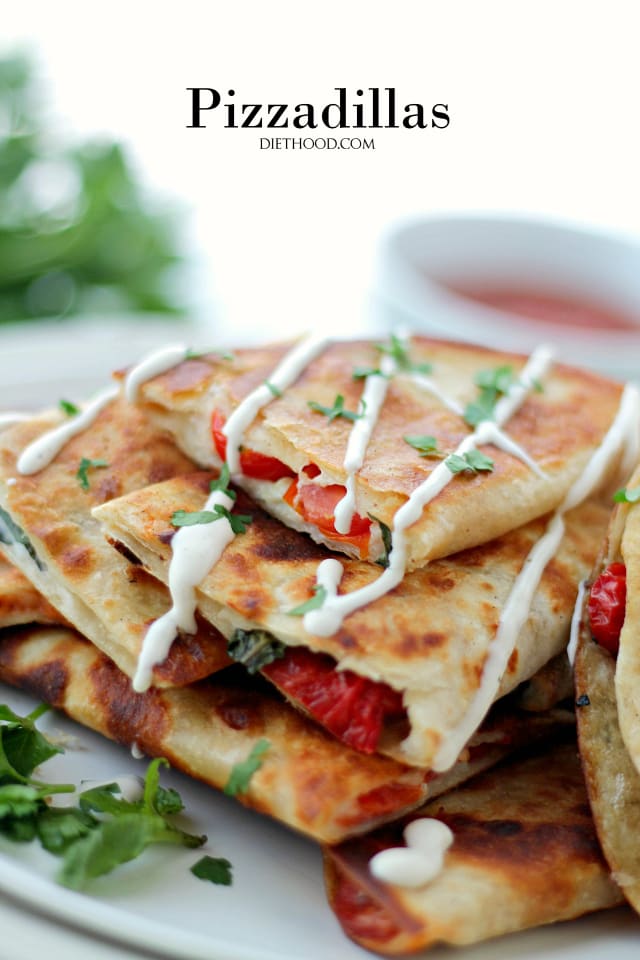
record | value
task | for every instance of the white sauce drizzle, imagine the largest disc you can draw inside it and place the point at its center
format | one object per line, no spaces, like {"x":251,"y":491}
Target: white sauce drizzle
{"x":136,"y":752}
{"x":152,"y":366}
{"x":429,"y":386}
{"x":371,"y":401}
{"x":420,"y":861}
{"x":516,"y":609}
{"x":195,"y":550}
{"x":286,"y":373}
{"x":576,"y":620}
{"x":43,"y":450}
{"x":10,"y":417}
{"x":326,"y":621}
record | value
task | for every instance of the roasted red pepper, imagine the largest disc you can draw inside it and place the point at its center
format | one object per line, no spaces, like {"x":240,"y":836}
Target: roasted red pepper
{"x":317,"y":504}
{"x":607,"y":605}
{"x":253,"y":464}
{"x":351,"y":707}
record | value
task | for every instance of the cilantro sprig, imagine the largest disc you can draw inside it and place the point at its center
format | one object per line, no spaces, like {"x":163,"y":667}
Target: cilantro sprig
{"x":86,"y":464}
{"x":398,"y":349}
{"x":473,"y":461}
{"x":492,"y":384}
{"x":71,"y":409}
{"x":314,"y":603}
{"x":237,"y":521}
{"x":103,"y":830}
{"x":337,"y":410}
{"x":426,"y":445}
{"x":242,"y":772}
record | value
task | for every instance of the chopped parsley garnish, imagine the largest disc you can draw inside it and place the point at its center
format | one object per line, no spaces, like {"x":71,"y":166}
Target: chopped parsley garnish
{"x":214,"y":869}
{"x":314,"y":603}
{"x":87,"y":464}
{"x":427,"y":446}
{"x":385,"y":532}
{"x":69,"y":408}
{"x":399,"y":350}
{"x":254,"y":648}
{"x":473,"y":461}
{"x":237,"y":521}
{"x":337,"y":410}
{"x":275,"y":391}
{"x":241,"y":774}
{"x":99,"y":833}
{"x":627,"y":496}
{"x":492,"y":384}
{"x":222,"y":483}
{"x":361,"y":373}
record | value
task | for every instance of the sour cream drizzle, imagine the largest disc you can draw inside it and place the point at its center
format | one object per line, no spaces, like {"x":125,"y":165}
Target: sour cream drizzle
{"x":429,"y":386}
{"x":194,"y":551}
{"x":420,"y":861}
{"x":576,"y":621}
{"x":516,"y":609}
{"x":152,"y":366}
{"x":371,"y":401}
{"x":43,"y":450}
{"x":286,"y":373}
{"x":326,"y":621}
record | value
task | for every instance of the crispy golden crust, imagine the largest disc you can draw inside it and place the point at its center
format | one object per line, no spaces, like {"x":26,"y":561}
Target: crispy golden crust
{"x":428,"y":638}
{"x":103,"y":594}
{"x":524,"y":853}
{"x":559,"y":427}
{"x":627,"y":677}
{"x":20,"y":602}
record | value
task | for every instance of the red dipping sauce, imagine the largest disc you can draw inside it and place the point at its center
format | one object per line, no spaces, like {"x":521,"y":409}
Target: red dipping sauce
{"x":548,"y":308}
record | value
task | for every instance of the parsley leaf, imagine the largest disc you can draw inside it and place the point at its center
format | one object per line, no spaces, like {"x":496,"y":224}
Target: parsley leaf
{"x":337,"y":410}
{"x":69,"y":408}
{"x":627,"y":496}
{"x":242,"y":772}
{"x":361,"y":373}
{"x":85,"y":465}
{"x":255,"y":649}
{"x":238,"y":521}
{"x":426,"y":445}
{"x":314,"y":603}
{"x":399,"y":350}
{"x":215,"y":869}
{"x":222,"y":482}
{"x":473,"y":461}
{"x":492,"y":384}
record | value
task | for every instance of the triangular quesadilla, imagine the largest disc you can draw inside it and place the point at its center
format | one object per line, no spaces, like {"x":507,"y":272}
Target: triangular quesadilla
{"x":524,"y":853}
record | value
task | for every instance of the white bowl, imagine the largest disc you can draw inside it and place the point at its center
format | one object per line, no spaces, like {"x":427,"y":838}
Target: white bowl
{"x":423,"y":260}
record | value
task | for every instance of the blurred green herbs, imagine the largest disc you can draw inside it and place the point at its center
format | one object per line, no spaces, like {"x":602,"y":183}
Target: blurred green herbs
{"x":77,"y":234}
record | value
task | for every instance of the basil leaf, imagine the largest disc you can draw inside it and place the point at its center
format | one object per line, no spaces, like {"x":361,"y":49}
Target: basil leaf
{"x":254,"y":649}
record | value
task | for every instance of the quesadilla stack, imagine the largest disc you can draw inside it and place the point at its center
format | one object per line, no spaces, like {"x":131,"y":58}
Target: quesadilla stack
{"x":607,"y":670}
{"x":383,"y":664}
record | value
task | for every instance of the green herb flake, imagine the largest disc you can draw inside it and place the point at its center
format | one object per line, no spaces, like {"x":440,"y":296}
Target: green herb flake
{"x":337,"y":410}
{"x":214,"y":869}
{"x":314,"y":603}
{"x":427,"y":446}
{"x":473,"y":461}
{"x":398,"y":349}
{"x":361,"y":373}
{"x":273,"y":390}
{"x":254,"y":649}
{"x":87,"y":464}
{"x":222,"y":482}
{"x":237,"y":521}
{"x":385,"y":532}
{"x":241,"y":774}
{"x":627,"y":496}
{"x":69,"y":408}
{"x":492,"y":384}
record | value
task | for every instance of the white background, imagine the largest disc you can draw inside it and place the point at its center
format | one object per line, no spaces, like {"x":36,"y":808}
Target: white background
{"x":542,"y":96}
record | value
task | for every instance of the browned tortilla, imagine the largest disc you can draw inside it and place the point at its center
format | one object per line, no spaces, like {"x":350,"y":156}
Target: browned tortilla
{"x":20,"y":602}
{"x":559,"y":426}
{"x":524,"y":853}
{"x":308,"y":780}
{"x":427,"y":638}
{"x":105,"y":596}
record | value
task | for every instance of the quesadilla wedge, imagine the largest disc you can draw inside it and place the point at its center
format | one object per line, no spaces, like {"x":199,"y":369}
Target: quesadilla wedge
{"x":47,"y":531}
{"x":307,"y":779}
{"x":606,"y":665}
{"x":520,"y":432}
{"x":524,"y":853}
{"x":403,"y":673}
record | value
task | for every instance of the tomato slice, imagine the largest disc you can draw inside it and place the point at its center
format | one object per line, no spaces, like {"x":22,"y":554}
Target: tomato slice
{"x":317,"y":505}
{"x":351,"y":707}
{"x":606,"y":606}
{"x":252,"y":463}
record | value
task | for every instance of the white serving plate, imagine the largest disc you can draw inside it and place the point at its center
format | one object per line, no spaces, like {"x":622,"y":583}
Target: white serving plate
{"x":276,"y":907}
